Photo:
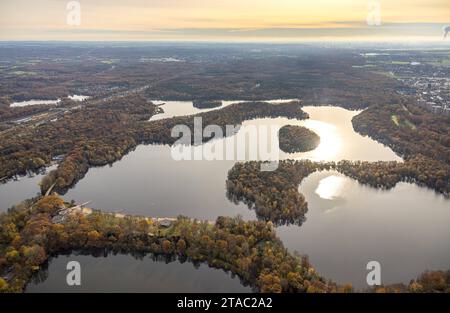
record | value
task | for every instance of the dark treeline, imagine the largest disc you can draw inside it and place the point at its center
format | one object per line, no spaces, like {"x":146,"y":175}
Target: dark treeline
{"x":160,"y":131}
{"x":206,"y":104}
{"x":275,"y":197}
{"x":427,"y":282}
{"x":251,"y":250}
{"x":420,"y":170}
{"x":297,"y":139}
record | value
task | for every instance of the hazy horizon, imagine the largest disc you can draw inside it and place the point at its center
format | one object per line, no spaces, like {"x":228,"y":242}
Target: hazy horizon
{"x":232,"y":20}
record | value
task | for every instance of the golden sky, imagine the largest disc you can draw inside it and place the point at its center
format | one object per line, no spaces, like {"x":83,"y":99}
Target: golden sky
{"x":201,"y":19}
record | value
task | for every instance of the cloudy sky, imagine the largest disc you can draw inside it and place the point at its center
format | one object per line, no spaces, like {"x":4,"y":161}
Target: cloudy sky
{"x":279,"y":20}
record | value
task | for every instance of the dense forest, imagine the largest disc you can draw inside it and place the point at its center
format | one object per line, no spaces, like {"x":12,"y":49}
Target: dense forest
{"x":114,"y":121}
{"x":422,"y":138}
{"x":159,"y":131}
{"x":297,"y":139}
{"x":251,"y":250}
{"x":427,"y":282}
{"x":316,"y":78}
{"x":408,"y":129}
{"x":8,"y":114}
{"x":30,"y":236}
{"x":93,"y":135}
{"x":207,"y":104}
{"x":275,"y":197}
{"x":420,"y":170}
{"x":101,"y":134}
{"x":203,"y":72}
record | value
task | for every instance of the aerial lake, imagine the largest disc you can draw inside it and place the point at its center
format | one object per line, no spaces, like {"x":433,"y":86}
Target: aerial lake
{"x":124,"y":273}
{"x":48,"y":102}
{"x":348,"y":224}
{"x":25,"y":187}
{"x":181,"y":108}
{"x":33,"y":102}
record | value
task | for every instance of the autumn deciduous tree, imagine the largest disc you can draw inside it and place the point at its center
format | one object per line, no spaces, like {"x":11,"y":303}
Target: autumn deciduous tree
{"x":50,"y":204}
{"x":181,"y":246}
{"x":435,"y":281}
{"x":295,"y":281}
{"x":93,"y":237}
{"x":249,"y":249}
{"x":166,"y":246}
{"x":3,"y":284}
{"x":12,"y":256}
{"x":270,"y":283}
{"x":297,"y":139}
{"x":34,"y":255}
{"x":8,"y":233}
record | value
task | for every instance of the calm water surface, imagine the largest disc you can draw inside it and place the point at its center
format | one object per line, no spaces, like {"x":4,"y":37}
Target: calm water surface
{"x":348,"y":225}
{"x":33,"y":102}
{"x":405,"y":229}
{"x":13,"y":192}
{"x":149,"y":181}
{"x":38,"y":102}
{"x":123,"y":273}
{"x":180,"y":108}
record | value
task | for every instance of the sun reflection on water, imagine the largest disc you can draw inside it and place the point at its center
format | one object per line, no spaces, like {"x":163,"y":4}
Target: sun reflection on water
{"x":331,"y":187}
{"x":330,"y":141}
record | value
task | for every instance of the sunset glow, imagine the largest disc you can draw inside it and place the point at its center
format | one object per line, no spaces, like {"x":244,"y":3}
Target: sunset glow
{"x":232,"y":19}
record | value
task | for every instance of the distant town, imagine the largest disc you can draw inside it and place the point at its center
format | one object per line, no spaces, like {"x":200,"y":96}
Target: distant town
{"x":424,"y":75}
